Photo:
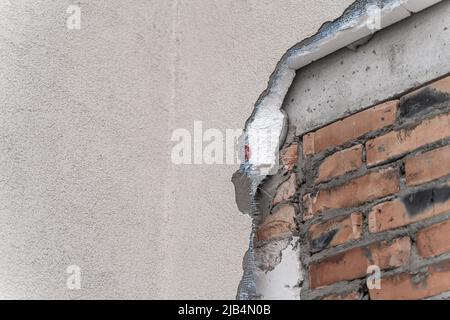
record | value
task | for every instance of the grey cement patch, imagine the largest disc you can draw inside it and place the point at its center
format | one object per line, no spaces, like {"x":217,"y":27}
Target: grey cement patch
{"x":242,"y":186}
{"x":397,"y":59}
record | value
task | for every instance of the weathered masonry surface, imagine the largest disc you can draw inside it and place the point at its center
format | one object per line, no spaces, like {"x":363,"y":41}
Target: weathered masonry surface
{"x":365,"y":170}
{"x":371,"y":189}
{"x":375,"y":191}
{"x":403,"y":56}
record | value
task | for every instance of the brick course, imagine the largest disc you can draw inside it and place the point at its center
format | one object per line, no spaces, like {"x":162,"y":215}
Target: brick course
{"x":353,"y":264}
{"x":289,"y":156}
{"x":371,"y":186}
{"x":350,"y":128}
{"x":434,"y":240}
{"x":397,"y":143}
{"x":428,"y":166}
{"x":336,"y":231}
{"x":278,"y":224}
{"x":368,"y":184}
{"x":415,"y":207}
{"x":340,"y":163}
{"x":432,"y":281}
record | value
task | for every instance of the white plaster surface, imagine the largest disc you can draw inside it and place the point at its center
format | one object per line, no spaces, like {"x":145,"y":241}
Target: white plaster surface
{"x":283,"y":281}
{"x":85,"y":123}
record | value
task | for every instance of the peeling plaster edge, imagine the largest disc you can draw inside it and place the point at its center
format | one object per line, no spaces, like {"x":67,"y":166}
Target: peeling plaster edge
{"x":283,"y":281}
{"x":352,"y":26}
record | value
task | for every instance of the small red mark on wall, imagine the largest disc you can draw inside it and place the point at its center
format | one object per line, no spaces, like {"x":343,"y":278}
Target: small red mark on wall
{"x":247,"y":153}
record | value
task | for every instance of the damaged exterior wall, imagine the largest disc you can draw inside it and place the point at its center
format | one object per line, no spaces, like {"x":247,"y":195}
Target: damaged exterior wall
{"x":375,"y":197}
{"x":391,"y":59}
{"x":86,"y":120}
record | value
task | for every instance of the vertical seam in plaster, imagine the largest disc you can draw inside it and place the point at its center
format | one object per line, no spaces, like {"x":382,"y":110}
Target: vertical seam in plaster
{"x":169,"y":182}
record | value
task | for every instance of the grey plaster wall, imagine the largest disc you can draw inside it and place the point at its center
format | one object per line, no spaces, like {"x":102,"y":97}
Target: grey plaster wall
{"x":85,"y":123}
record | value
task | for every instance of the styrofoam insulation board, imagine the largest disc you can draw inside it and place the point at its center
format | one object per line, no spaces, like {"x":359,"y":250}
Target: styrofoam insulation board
{"x":419,"y":5}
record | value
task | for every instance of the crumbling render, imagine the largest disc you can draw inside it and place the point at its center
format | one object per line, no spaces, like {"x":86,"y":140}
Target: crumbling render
{"x":267,"y":272}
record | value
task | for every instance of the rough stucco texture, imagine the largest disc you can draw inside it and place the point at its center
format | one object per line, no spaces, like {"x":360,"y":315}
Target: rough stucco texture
{"x":85,"y":125}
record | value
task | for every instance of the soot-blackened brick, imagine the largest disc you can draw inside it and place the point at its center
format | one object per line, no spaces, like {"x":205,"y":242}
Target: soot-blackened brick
{"x":324,"y":240}
{"x":422,"y":101}
{"x":420,"y":201}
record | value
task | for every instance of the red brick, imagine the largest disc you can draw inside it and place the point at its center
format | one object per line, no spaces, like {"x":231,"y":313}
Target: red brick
{"x":286,"y":190}
{"x":412,"y":286}
{"x":353,"y":263}
{"x":336,"y":231}
{"x":425,"y":98}
{"x":442,"y":85}
{"x":350,"y":128}
{"x":397,"y":143}
{"x":422,"y":205}
{"x":428,"y":166}
{"x":372,"y":186}
{"x":308,"y":144}
{"x":340,"y":163}
{"x":435,"y":240}
{"x":354,"y":295}
{"x":278,"y":224}
{"x":289,"y":156}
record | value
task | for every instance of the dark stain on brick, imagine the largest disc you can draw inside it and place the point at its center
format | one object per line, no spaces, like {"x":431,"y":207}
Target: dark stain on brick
{"x":418,"y":202}
{"x":442,"y":195}
{"x":367,"y":253}
{"x":323,"y":240}
{"x":412,"y":105}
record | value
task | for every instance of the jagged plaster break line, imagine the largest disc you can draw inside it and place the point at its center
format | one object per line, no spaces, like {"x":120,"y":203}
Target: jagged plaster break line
{"x":264,"y":130}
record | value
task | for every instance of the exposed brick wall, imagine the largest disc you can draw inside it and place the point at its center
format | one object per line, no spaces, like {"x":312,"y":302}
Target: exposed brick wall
{"x":281,"y":222}
{"x":372,"y":189}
